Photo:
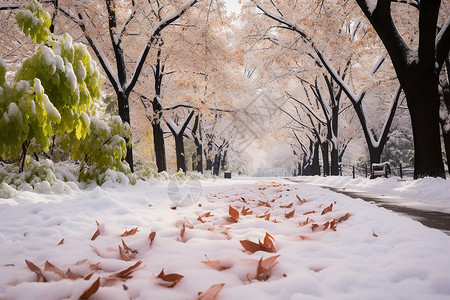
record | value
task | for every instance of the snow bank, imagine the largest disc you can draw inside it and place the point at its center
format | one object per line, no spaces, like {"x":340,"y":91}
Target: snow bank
{"x":426,"y":193}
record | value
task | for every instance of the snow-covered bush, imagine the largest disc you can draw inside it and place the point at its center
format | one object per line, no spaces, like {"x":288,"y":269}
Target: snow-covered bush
{"x":54,"y":91}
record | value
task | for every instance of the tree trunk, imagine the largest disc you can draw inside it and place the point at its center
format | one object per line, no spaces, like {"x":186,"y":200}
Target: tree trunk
{"x":179,"y":149}
{"x":124,"y":113}
{"x":216,"y":165}
{"x":334,"y":161}
{"x":421,"y":89}
{"x":160,"y":150}
{"x":197,"y":158}
{"x":315,"y":166}
{"x":325,"y":158}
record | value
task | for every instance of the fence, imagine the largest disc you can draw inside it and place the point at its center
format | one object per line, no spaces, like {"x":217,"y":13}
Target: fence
{"x":365,"y":170}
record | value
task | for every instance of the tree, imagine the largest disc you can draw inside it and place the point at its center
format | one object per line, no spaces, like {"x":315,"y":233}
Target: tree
{"x":122,"y":85}
{"x":178,"y":134}
{"x":417,"y":70}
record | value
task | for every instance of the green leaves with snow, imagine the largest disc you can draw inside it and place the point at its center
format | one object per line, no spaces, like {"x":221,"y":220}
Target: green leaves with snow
{"x":35,"y":22}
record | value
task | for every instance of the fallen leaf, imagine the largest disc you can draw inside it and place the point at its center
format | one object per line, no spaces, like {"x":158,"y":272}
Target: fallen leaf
{"x":269,"y":243}
{"x":216,"y":265}
{"x":309,"y":212}
{"x":234,"y":214}
{"x":246,"y":211}
{"x":200,"y":219}
{"x":306,"y":222}
{"x":207,"y":215}
{"x":95,"y":267}
{"x":170,"y":279}
{"x":97,"y":251}
{"x":344,"y":218}
{"x":287,"y":206}
{"x":152,"y":236}
{"x":128,"y":249}
{"x":374,"y":234}
{"x":267,"y":218}
{"x":290,"y":214}
{"x":262,"y":203}
{"x":301,"y":200}
{"x":327,"y":209}
{"x":188,"y":224}
{"x":50,"y":267}
{"x":61,"y":242}
{"x":123,"y":256}
{"x":36,"y":270}
{"x":314,"y":226}
{"x":87,"y":277}
{"x":182,"y":231}
{"x":91,"y":290}
{"x":125,"y":274}
{"x":129,"y":232}
{"x":211,"y":293}
{"x":304,"y":237}
{"x":73,"y":276}
{"x":264,"y":268}
{"x":250,"y":246}
{"x":96,"y":234}
{"x":325,"y":226}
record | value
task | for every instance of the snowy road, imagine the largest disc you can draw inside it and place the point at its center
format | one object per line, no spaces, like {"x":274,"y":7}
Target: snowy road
{"x":330,"y":246}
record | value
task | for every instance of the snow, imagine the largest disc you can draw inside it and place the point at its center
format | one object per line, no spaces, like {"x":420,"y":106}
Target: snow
{"x":375,"y":254}
{"x":426,"y":193}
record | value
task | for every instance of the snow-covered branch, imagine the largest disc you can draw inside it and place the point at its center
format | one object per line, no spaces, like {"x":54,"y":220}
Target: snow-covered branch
{"x":153,"y":37}
{"x":308,"y":108}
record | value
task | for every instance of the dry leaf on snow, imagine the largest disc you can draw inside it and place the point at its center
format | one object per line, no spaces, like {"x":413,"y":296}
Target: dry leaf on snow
{"x":264,"y":268}
{"x":123,"y":256}
{"x":129,"y":232}
{"x":289,"y":214}
{"x":211,"y":293}
{"x":152,"y":236}
{"x":170,"y":280}
{"x":128,"y":249}
{"x":234,"y":214}
{"x":91,"y":290}
{"x":50,"y":267}
{"x":61,"y":242}
{"x":327,"y":209}
{"x":216,"y":265}
{"x":36,"y":270}
{"x":268,"y":245}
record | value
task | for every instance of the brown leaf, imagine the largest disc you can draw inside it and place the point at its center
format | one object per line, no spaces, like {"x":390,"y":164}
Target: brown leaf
{"x":301,"y":200}
{"x":246,"y":211}
{"x":314,"y":226}
{"x":287,"y":206}
{"x":216,"y":265}
{"x":250,"y":246}
{"x":73,"y":276}
{"x":327,"y":209}
{"x":325,"y":226}
{"x":267,"y":218}
{"x":87,"y":277}
{"x":91,"y":290}
{"x":61,"y":242}
{"x":152,"y":236}
{"x":304,"y":237}
{"x":36,"y":270}
{"x":269,"y":243}
{"x":188,"y":224}
{"x":49,"y":267}
{"x":234,"y":214}
{"x":182,"y":231}
{"x":170,"y":279}
{"x":96,"y":234}
{"x":200,"y":219}
{"x":125,"y":274}
{"x":344,"y":218}
{"x":123,"y":256}
{"x":265,"y":267}
{"x":129,"y":232}
{"x":207,"y":215}
{"x":374,"y":234}
{"x":306,"y":222}
{"x":128,"y":249}
{"x":262,"y":203}
{"x":97,"y":251}
{"x":211,"y":293}
{"x":95,"y":267}
{"x":309,"y":212}
{"x":333,"y":225}
{"x":290,"y":214}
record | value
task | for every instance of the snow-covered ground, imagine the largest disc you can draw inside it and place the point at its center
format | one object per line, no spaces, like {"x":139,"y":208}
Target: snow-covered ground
{"x":426,"y":193}
{"x":372,"y":253}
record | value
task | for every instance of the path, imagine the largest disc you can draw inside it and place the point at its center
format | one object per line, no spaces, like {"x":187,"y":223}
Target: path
{"x":432,"y":219}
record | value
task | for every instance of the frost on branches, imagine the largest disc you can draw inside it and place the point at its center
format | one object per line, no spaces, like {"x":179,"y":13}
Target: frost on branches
{"x":53,"y":92}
